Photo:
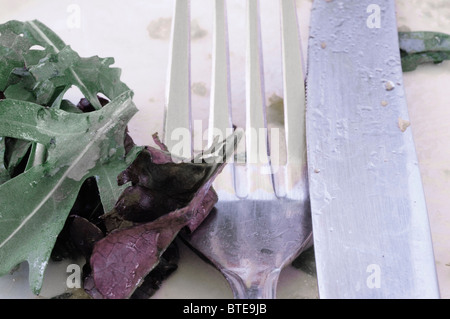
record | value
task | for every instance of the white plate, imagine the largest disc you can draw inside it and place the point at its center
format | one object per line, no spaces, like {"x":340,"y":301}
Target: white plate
{"x":136,"y":33}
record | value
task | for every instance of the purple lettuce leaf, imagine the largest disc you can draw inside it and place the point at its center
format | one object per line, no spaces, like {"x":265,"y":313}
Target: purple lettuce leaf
{"x":164,"y":198}
{"x":122,"y":259}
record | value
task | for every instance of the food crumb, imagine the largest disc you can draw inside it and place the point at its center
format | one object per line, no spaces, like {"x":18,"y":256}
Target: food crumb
{"x":316,"y":170}
{"x":197,"y":32}
{"x":160,"y":28}
{"x":323,"y":45}
{"x":199,"y":88}
{"x":384,"y":103}
{"x":403,"y":124}
{"x":389,"y":86}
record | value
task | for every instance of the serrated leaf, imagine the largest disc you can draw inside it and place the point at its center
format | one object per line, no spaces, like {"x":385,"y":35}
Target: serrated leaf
{"x":423,"y":47}
{"x":16,"y":40}
{"x":24,"y":71}
{"x":79,"y":146}
{"x":44,"y":75}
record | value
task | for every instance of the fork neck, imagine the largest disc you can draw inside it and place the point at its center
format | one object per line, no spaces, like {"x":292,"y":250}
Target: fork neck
{"x":258,"y":286}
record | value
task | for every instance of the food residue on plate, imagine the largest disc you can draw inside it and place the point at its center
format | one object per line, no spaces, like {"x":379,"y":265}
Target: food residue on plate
{"x":403,"y":124}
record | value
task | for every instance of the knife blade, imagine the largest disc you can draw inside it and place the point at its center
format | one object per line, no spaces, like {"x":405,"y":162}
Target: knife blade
{"x":371,"y":231}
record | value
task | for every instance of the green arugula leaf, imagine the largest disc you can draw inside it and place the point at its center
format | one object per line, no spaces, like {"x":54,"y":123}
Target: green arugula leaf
{"x":15,"y":152}
{"x":79,"y":146}
{"x":39,"y":75}
{"x":4,"y":175}
{"x":423,"y":47}
{"x":23,"y":44}
{"x":37,"y":66}
{"x":65,"y":147}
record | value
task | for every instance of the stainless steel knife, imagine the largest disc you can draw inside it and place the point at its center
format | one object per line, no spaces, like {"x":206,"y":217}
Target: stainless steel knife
{"x":371,"y":231}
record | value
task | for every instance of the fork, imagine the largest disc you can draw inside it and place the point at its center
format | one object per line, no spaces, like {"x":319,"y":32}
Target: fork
{"x":262,"y":219}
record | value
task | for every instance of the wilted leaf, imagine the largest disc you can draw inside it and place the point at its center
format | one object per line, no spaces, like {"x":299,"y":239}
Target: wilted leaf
{"x":122,"y":259}
{"x":153,"y":281}
{"x":154,"y":169}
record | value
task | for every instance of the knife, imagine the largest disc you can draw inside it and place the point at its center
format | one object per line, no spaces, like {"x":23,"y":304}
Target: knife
{"x":371,"y":231}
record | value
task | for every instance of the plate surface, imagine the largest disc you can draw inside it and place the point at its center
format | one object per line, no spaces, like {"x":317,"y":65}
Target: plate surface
{"x":136,"y":33}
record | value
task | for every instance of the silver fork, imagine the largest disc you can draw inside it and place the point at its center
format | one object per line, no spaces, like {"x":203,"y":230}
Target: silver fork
{"x":262,"y":220}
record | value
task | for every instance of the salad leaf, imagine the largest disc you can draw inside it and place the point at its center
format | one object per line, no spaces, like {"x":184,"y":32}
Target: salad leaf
{"x":128,"y":255}
{"x":48,"y":147}
{"x":39,"y":75}
{"x":37,"y":66}
{"x":121,"y":260}
{"x":16,"y":152}
{"x":153,"y":281}
{"x":52,"y":152}
{"x":167,"y":177}
{"x":423,"y":47}
{"x":79,"y":146}
{"x":4,"y":175}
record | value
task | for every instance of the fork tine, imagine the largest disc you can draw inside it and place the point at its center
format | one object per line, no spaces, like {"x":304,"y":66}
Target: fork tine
{"x":253,"y":235}
{"x":220,"y":122}
{"x":220,"y":111}
{"x":294,"y":100}
{"x":177,"y":124}
{"x":256,"y":127}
